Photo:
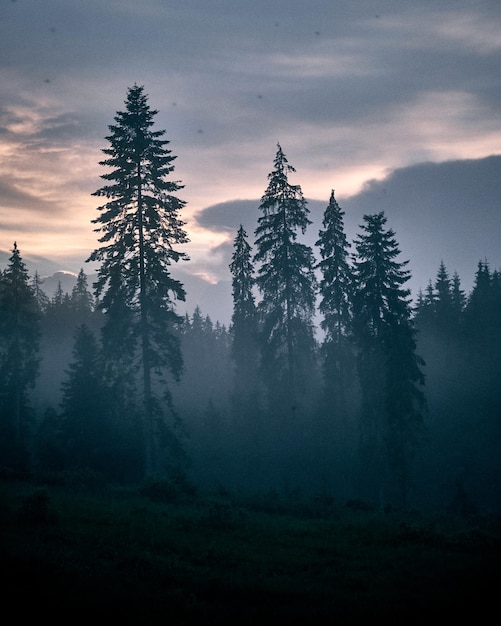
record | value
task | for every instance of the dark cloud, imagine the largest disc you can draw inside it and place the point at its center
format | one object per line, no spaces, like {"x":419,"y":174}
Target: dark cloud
{"x":59,"y":129}
{"x":345,"y":86}
{"x":14,"y":197}
{"x":227,"y":216}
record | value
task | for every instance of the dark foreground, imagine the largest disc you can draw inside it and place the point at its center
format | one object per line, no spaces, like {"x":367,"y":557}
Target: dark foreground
{"x":163,"y":555}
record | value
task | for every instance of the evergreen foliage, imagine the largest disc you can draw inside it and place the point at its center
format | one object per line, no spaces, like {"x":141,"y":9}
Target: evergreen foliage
{"x":389,"y":368}
{"x":41,"y":298}
{"x":82,"y":301}
{"x":108,"y":363}
{"x":244,"y":321}
{"x":84,"y":427}
{"x":287,"y":284}
{"x":336,"y":287}
{"x":140,"y":228}
{"x":207,"y":363}
{"x":19,"y":360}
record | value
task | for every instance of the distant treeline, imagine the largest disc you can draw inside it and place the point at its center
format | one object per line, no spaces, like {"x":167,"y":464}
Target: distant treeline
{"x":226,"y":436}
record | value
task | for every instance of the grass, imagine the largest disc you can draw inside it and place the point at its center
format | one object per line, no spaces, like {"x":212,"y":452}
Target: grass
{"x":177,"y":557}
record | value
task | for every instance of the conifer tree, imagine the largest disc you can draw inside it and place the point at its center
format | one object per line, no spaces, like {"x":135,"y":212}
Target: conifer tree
{"x":19,"y":359}
{"x":244,"y":327}
{"x":140,"y":230}
{"x":41,"y":298}
{"x":335,"y":304}
{"x":482,"y":315}
{"x":83,"y":414}
{"x":444,"y":308}
{"x":425,"y":309}
{"x":58,"y":315}
{"x":458,"y":299}
{"x":389,"y":368}
{"x":286,"y":283}
{"x":82,"y":302}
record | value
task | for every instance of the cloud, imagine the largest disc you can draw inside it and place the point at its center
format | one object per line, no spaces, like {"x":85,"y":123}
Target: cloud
{"x":227,"y":216}
{"x":15,"y":197}
{"x":350,"y":90}
{"x":440,"y":211}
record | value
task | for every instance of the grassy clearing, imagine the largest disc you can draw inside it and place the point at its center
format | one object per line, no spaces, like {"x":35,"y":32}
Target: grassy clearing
{"x":161,"y":554}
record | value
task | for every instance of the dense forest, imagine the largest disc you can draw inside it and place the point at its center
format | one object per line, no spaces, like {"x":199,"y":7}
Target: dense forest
{"x":385,"y":402}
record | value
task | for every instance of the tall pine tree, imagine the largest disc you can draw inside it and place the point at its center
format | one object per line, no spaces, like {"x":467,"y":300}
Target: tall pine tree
{"x":140,"y":228}
{"x":244,"y":326}
{"x":286,"y":282}
{"x":81,"y":300}
{"x":389,"y":369}
{"x":335,"y":305}
{"x":19,"y":359}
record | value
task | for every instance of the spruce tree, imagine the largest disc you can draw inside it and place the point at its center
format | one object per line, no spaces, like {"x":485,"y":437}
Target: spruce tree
{"x":41,"y":297}
{"x":389,"y":369}
{"x":424,"y":310}
{"x":244,"y":326}
{"x":287,"y":285}
{"x":458,"y":299}
{"x":84,"y":428}
{"x":140,"y":230}
{"x":19,"y":359}
{"x":335,"y":305}
{"x":82,"y":302}
{"x":444,"y":308}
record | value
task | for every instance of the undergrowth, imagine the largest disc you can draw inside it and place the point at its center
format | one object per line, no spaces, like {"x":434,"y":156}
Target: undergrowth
{"x":163,"y":548}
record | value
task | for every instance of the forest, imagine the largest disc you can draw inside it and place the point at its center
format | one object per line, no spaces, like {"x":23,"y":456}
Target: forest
{"x":333,"y":453}
{"x":387,"y":401}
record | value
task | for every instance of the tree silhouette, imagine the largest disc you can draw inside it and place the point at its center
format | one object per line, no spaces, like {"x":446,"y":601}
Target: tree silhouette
{"x":389,"y":368}
{"x":287,"y":285}
{"x":85,"y":434}
{"x":244,"y":325}
{"x":335,"y":305}
{"x":19,"y":358}
{"x":41,"y":297}
{"x":81,"y":300}
{"x":140,"y":228}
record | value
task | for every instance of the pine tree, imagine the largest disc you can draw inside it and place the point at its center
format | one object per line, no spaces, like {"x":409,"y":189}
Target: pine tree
{"x":83,"y":405}
{"x":389,"y":368}
{"x":244,"y":326}
{"x":458,"y":299}
{"x":58,"y":313}
{"x":205,"y":348}
{"x":444,"y":308}
{"x":82,"y":302}
{"x":41,"y":297}
{"x":335,"y":304}
{"x":19,"y":359}
{"x":140,"y":228}
{"x":478,"y":310}
{"x":286,"y":283}
{"x":58,"y":327}
{"x":482,"y":314}
{"x":425,"y":309}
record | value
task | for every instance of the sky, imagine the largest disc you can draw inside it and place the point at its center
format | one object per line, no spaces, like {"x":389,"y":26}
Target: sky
{"x":394,"y":104}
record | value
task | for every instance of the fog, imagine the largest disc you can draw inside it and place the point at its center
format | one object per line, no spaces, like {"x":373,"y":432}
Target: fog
{"x":310,"y":449}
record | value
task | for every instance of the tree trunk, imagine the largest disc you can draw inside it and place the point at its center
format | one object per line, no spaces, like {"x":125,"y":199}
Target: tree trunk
{"x":145,"y":339}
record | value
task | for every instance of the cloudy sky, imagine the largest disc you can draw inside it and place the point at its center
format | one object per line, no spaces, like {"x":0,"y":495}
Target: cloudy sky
{"x":394,"y":104}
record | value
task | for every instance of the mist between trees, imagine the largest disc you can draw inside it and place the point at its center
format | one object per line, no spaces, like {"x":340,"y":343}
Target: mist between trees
{"x":396,"y":405}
